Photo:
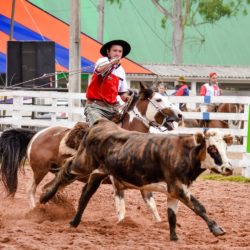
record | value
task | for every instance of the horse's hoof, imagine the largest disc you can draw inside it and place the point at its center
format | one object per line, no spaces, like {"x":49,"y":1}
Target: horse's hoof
{"x":120,"y":217}
{"x":217,"y":231}
{"x":157,"y":219}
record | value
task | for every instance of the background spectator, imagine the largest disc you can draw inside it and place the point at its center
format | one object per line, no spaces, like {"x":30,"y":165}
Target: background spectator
{"x":182,"y":88}
{"x":162,"y":89}
{"x":211,"y":88}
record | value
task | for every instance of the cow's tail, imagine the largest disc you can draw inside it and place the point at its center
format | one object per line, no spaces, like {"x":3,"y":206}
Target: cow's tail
{"x":13,"y":146}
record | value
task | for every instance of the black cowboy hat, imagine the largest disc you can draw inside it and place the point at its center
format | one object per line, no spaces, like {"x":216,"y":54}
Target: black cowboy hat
{"x":126,"y":47}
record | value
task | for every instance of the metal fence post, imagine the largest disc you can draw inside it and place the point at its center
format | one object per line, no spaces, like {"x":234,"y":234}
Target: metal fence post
{"x":246,"y":156}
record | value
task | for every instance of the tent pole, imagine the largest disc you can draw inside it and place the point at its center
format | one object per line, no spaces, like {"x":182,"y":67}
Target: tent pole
{"x":12,"y":19}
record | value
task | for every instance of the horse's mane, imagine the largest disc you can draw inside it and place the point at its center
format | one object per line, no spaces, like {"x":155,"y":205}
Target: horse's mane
{"x":135,"y":97}
{"x":146,"y":93}
{"x":143,"y":94}
{"x":75,"y":135}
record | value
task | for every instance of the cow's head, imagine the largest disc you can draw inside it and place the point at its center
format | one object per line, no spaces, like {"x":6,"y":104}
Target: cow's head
{"x":213,"y":145}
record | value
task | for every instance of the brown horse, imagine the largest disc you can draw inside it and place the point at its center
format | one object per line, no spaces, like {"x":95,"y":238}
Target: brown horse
{"x":189,"y":123}
{"x":233,"y":124}
{"x":48,"y":149}
{"x":225,"y":108}
{"x":221,"y":108}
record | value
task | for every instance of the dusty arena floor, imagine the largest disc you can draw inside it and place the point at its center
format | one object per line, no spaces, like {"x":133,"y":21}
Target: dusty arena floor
{"x":47,"y":226}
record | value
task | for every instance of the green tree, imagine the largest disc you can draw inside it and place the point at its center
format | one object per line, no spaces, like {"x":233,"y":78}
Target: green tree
{"x":193,"y":13}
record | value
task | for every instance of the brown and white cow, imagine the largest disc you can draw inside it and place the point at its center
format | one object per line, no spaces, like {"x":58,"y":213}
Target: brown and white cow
{"x":164,"y":163}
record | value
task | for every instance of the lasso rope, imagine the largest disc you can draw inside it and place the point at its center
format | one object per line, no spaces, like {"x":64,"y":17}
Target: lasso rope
{"x":44,"y":76}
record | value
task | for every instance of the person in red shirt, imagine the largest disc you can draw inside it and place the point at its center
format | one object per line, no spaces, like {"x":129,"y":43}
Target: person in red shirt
{"x":211,"y":88}
{"x":108,"y":81}
{"x":183,"y":89}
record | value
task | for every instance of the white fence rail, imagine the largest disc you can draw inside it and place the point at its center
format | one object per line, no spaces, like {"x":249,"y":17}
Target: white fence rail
{"x":197,"y":100}
{"x":19,"y":112}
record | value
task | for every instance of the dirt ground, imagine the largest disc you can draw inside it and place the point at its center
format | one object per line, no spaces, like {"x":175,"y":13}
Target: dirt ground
{"x":47,"y":226}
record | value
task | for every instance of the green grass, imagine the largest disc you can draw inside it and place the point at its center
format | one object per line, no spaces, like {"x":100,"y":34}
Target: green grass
{"x":234,"y":178}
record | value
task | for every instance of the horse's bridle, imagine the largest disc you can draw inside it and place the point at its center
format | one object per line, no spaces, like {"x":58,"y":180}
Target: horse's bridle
{"x":164,"y":115}
{"x":153,"y":123}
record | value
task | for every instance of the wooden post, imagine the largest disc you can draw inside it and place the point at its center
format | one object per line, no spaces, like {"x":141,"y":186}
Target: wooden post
{"x":101,"y":20}
{"x":12,"y":19}
{"x":74,"y":55}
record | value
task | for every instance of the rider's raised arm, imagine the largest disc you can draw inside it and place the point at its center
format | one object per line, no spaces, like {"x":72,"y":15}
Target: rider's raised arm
{"x":104,"y":65}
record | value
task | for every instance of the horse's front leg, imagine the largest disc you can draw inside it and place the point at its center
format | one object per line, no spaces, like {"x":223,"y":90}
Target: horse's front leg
{"x":88,"y":190}
{"x":149,"y":200}
{"x":119,"y":200}
{"x":31,"y":190}
{"x":189,"y":200}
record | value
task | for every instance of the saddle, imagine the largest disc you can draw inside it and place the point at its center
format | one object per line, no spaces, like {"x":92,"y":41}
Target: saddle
{"x":76,"y":134}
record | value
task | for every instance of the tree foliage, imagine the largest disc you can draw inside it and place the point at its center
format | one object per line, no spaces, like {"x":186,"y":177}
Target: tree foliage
{"x":192,"y":13}
{"x":119,"y":2}
{"x":213,"y":10}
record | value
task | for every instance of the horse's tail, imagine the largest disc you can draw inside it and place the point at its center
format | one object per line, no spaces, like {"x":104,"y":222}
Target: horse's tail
{"x":13,"y":146}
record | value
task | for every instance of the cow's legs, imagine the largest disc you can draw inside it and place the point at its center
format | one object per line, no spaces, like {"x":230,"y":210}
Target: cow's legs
{"x":149,"y":200}
{"x":119,"y":199}
{"x":120,"y":204}
{"x":88,"y":190}
{"x":200,"y":210}
{"x":172,"y":211}
{"x":63,"y":178}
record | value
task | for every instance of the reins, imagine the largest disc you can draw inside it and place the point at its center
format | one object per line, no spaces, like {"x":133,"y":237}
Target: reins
{"x":158,"y":126}
{"x":148,"y":123}
{"x":127,"y":106}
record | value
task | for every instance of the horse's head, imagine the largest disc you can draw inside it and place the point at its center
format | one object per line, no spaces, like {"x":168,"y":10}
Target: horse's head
{"x":212,"y":147}
{"x":231,"y":108}
{"x":157,"y":109}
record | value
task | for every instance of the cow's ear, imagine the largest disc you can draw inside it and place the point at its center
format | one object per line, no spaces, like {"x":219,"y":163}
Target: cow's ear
{"x":199,"y":138}
{"x":209,"y":132}
{"x":81,"y":125}
{"x":228,"y":139}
